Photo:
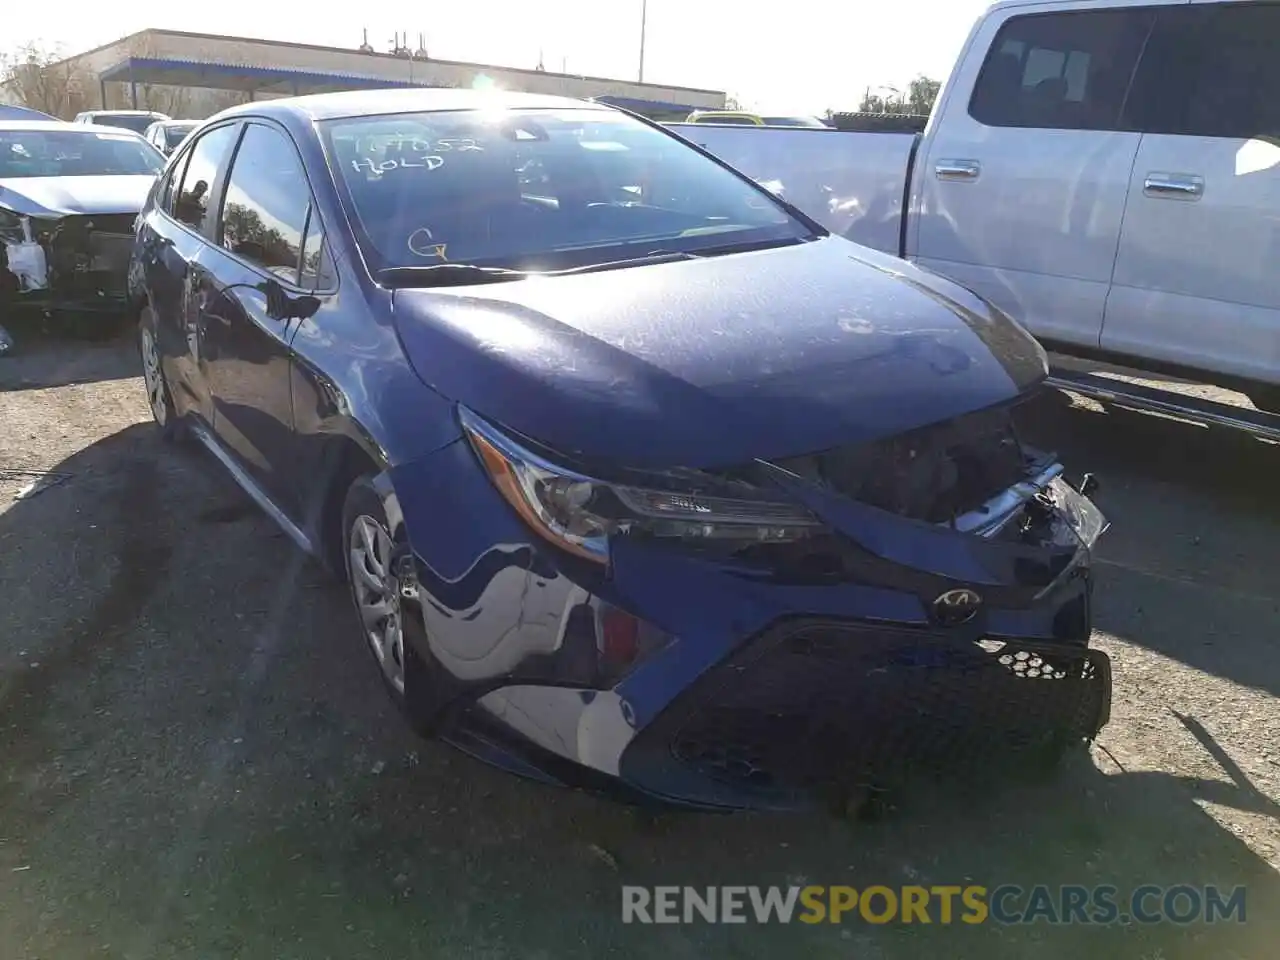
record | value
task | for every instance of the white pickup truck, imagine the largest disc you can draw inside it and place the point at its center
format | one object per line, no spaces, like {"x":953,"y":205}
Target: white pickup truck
{"x":1106,"y":171}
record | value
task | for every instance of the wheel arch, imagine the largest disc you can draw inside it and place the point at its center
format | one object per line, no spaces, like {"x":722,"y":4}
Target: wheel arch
{"x":348,"y":456}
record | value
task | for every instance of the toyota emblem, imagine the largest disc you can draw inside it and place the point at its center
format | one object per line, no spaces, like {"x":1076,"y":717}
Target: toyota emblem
{"x":956,"y":607}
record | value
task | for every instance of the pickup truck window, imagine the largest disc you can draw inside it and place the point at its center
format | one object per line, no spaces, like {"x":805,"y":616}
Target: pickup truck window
{"x":1210,"y":71}
{"x":1067,"y":71}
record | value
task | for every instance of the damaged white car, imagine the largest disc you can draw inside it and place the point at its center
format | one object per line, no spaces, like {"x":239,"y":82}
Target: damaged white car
{"x":69,"y":196}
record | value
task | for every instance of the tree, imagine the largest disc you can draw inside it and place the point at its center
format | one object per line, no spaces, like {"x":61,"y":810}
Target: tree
{"x":918,"y":98}
{"x":921,"y":93}
{"x":39,"y":78}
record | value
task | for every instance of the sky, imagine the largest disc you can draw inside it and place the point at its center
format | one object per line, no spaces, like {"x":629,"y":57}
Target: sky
{"x":796,"y":56}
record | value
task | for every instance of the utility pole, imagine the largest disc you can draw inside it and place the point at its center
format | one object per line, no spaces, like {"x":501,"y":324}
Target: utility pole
{"x":644,"y":16}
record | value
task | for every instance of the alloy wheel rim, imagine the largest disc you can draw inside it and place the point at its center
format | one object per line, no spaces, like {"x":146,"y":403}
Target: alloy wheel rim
{"x":377,"y":596}
{"x":153,"y":378}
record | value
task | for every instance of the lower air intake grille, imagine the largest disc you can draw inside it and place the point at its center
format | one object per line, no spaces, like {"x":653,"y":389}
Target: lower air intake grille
{"x":800,"y":708}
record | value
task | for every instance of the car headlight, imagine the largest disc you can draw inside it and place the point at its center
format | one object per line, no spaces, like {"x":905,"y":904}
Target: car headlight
{"x":579,"y":513}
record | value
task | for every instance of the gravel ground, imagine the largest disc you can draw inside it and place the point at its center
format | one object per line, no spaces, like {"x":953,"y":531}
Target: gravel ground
{"x":196,"y":759}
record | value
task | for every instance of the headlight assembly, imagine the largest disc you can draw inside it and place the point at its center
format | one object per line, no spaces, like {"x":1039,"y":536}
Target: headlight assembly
{"x":579,"y":513}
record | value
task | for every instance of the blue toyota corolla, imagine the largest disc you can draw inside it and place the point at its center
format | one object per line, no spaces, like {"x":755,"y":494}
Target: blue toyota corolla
{"x":639,"y":479}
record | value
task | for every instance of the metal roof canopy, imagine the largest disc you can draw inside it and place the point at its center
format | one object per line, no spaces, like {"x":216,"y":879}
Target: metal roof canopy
{"x":641,"y":106}
{"x":247,"y":79}
{"x":290,"y":82}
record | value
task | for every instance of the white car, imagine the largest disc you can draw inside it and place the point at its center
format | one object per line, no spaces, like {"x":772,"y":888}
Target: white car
{"x":135,"y":120}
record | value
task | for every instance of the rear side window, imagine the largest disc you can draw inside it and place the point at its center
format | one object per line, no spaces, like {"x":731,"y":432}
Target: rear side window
{"x":1211,"y":71}
{"x":174,"y":177}
{"x":267,"y":201}
{"x":1066,"y":71}
{"x":208,"y":157}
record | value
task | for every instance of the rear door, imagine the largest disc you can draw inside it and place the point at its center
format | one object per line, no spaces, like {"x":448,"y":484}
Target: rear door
{"x":1021,"y":193}
{"x":246,"y":358}
{"x":1195,"y":278}
{"x":171,"y":250}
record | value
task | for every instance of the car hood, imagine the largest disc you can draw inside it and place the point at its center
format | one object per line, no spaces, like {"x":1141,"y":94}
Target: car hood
{"x":722,"y":360}
{"x":63,"y":196}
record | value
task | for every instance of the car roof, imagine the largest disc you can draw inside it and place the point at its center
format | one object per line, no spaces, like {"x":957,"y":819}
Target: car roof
{"x":52,"y":125}
{"x":358,"y":103}
{"x":120,"y":113}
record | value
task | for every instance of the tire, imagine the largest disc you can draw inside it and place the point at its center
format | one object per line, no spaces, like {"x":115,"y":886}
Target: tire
{"x":405,"y":675}
{"x":159,"y":397}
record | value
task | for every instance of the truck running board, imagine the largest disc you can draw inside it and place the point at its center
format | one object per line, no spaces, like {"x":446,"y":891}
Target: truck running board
{"x":1150,"y":400}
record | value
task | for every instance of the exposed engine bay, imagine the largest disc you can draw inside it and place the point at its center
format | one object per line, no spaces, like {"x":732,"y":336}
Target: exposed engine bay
{"x":77,"y":262}
{"x":935,"y":474}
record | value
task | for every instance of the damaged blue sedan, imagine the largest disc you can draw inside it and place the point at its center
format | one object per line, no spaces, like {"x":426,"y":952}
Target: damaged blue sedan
{"x":639,"y":479}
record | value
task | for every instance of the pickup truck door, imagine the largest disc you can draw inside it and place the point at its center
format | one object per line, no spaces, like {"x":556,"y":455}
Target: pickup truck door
{"x":1021,"y":188}
{"x":1195,"y":278}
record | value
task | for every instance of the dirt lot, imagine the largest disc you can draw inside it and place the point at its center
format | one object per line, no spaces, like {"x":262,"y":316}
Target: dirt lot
{"x":196,"y":758}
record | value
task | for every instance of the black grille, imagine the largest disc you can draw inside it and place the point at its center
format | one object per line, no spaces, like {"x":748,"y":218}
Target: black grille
{"x":839,"y":704}
{"x":89,"y":254}
{"x":931,"y":474}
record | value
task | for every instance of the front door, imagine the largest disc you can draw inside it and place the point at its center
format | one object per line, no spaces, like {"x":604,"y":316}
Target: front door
{"x":1021,"y":192}
{"x":246,"y":357}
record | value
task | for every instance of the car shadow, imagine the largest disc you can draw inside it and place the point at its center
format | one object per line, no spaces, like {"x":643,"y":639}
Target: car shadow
{"x":1187,"y":568}
{"x":199,"y":760}
{"x":42,"y":358}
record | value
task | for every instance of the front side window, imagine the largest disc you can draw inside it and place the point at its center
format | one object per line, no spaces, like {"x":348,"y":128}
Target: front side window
{"x":316,"y":271}
{"x":538,"y":188}
{"x":72,"y":153}
{"x":207,"y":157}
{"x":267,"y":199}
{"x":1066,"y":71}
{"x":1211,"y":70}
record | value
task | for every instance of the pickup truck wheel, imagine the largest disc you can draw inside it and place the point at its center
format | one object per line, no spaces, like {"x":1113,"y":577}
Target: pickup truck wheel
{"x":386,"y":623}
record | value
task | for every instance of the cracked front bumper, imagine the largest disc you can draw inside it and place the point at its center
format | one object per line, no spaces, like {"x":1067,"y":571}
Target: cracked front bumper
{"x":769,"y":681}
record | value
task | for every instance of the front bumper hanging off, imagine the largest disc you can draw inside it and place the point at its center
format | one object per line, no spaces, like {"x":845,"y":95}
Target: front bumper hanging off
{"x":811,"y":705}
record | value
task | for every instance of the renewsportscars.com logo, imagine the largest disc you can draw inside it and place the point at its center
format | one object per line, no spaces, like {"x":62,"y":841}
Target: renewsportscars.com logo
{"x":943,"y":904}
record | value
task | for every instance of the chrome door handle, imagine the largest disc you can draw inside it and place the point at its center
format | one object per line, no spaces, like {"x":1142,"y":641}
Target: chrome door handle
{"x":1173,"y":186}
{"x":957,"y":169}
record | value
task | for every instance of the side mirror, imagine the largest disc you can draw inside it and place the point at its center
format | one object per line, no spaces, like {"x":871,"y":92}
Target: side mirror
{"x":282,"y":305}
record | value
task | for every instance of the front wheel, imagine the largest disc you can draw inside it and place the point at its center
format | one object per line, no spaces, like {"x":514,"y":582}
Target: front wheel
{"x":385,"y":621}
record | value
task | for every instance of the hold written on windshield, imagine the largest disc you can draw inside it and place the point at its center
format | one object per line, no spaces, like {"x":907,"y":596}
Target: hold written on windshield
{"x":409,"y":151}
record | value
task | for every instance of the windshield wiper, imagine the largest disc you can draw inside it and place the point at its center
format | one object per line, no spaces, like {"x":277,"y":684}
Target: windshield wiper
{"x":447,"y":275}
{"x":462,"y":274}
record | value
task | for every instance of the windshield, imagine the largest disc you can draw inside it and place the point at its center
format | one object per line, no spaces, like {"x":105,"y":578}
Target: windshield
{"x":175,"y":134}
{"x":70,"y":153}
{"x":539,"y":189}
{"x":137,"y":122}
